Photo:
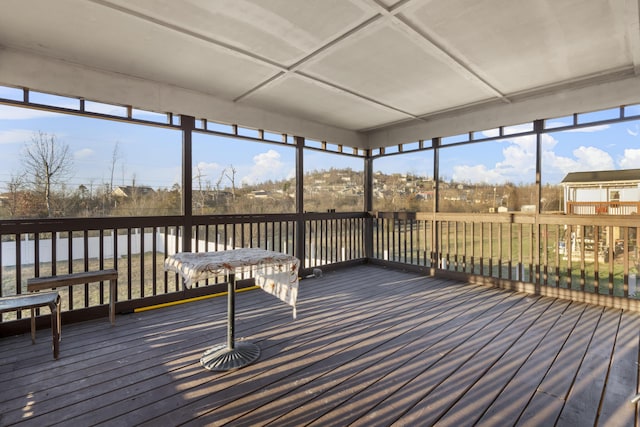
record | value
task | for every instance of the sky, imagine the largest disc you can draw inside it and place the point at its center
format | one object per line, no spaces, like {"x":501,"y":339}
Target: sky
{"x":605,"y":147}
{"x":145,"y":155}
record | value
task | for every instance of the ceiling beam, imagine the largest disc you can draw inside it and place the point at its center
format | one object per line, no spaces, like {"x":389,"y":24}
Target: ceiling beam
{"x":24,"y":69}
{"x":600,"y":93}
{"x":627,"y":18}
{"x":632,"y":25}
{"x":281,"y":71}
{"x":436,"y":46}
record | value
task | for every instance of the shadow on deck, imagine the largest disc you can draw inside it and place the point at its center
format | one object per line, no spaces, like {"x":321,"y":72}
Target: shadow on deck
{"x":371,"y":346}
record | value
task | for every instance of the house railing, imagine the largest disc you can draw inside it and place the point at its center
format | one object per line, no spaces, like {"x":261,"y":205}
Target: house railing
{"x":603,"y":208}
{"x":591,"y":259}
{"x":138,"y":246}
{"x":548,"y":254}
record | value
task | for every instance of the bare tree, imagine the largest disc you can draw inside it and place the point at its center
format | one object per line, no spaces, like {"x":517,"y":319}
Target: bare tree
{"x":115,"y":156}
{"x":230,"y":173}
{"x":219,"y":183}
{"x":47,"y":162}
{"x":201,"y":192}
{"x":15,"y":186}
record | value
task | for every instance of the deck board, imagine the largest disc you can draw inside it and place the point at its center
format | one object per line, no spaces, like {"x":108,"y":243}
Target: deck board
{"x":370,"y":346}
{"x":623,"y":375}
{"x":588,"y":385}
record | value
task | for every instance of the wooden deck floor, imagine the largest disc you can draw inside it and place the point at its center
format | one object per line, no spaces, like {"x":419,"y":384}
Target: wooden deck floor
{"x":371,"y":346}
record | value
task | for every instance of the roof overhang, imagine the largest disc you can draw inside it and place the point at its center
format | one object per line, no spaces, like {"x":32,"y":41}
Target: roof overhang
{"x":362,"y":73}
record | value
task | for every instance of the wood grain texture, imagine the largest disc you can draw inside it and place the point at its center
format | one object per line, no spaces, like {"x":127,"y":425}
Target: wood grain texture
{"x":370,"y":346}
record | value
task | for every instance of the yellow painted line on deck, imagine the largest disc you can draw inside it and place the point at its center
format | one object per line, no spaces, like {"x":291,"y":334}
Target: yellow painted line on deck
{"x":183,"y":301}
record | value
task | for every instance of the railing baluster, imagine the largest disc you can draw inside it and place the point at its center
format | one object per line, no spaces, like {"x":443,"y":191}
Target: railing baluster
{"x":481,"y":240}
{"x":570,"y":239}
{"x":500,"y":255}
{"x":154,"y":260}
{"x":510,"y":249}
{"x":457,"y":261}
{"x":1,"y":272}
{"x":86,"y":265}
{"x":611,"y":258}
{"x":557,"y":241}
{"x":101,"y":263}
{"x":624,"y":232}
{"x":448,"y":253}
{"x":472,"y":261}
{"x":142,"y":263}
{"x":273,"y":236}
{"x":580,"y":233}
{"x":129,"y":269}
{"x":491,"y":252}
{"x":70,"y":266}
{"x":167,"y":251}
{"x":18,"y":288}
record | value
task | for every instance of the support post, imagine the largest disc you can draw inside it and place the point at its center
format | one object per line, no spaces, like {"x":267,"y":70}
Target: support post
{"x":368,"y":205}
{"x":187,"y":123}
{"x":300,"y":224}
{"x":538,"y":127}
{"x":435,"y":250}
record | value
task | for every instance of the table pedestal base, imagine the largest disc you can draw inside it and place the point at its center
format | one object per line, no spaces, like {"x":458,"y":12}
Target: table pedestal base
{"x":223,"y":358}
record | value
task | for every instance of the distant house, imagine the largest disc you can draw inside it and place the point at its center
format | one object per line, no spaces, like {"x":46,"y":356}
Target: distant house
{"x":259,"y":194}
{"x":128,"y":191}
{"x":613,"y":192}
{"x":426,"y":195}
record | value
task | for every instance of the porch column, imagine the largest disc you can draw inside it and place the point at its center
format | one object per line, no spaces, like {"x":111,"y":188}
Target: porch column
{"x":187,"y":124}
{"x":300,"y":225}
{"x":435,"y":250}
{"x":368,"y":205}
{"x":538,"y":127}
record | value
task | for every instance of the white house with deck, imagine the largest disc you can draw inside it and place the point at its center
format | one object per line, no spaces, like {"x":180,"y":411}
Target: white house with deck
{"x":612,"y":192}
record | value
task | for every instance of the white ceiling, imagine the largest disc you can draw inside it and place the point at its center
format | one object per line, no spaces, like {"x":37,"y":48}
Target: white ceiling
{"x":364,"y":73}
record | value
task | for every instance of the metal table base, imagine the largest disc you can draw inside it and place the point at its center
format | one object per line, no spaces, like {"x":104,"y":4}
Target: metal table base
{"x":230,"y":355}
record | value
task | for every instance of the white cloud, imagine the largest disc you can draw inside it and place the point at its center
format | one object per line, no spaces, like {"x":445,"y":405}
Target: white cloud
{"x":291,"y":174}
{"x":209,"y":172}
{"x":477,"y":173}
{"x":568,"y":122}
{"x":519,"y":159}
{"x":489,"y":133}
{"x":598,"y":128}
{"x":15,"y":136}
{"x":508,"y":130}
{"x":16,"y":113}
{"x":519,"y":162}
{"x":634,"y":132}
{"x":85,"y":153}
{"x":100,"y":108}
{"x":592,"y":158}
{"x":630,"y":159}
{"x":554,"y":164}
{"x":265,"y":166}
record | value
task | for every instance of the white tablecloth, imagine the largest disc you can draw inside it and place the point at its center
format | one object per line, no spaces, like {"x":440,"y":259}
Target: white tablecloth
{"x":274,"y":272}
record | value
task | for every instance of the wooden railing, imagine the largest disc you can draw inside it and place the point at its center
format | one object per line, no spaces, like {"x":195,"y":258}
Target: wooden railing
{"x":591,"y":259}
{"x":563,"y":254}
{"x":603,"y":208}
{"x":138,"y":246}
{"x":135,"y":246}
{"x":329,"y":238}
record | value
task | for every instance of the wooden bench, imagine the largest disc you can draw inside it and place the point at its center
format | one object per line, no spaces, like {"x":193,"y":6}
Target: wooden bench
{"x":52,"y":282}
{"x":33,"y":301}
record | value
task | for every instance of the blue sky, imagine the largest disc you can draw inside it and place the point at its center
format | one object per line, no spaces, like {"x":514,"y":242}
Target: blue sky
{"x":601,"y":147}
{"x":151,"y":156}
